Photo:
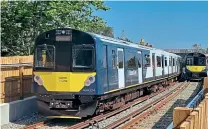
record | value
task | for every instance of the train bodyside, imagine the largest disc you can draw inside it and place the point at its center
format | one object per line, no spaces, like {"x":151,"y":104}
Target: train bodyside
{"x":84,"y":69}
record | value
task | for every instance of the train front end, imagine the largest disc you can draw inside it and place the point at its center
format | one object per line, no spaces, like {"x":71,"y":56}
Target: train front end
{"x":196,"y":66}
{"x":64,"y":75}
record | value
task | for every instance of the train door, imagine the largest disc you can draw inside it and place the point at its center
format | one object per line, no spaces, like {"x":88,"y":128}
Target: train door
{"x":153,"y":64}
{"x":163,"y":70}
{"x":120,"y":67}
{"x":140,"y":67}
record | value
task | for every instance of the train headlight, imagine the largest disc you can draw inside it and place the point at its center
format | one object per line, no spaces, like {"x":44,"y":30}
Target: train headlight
{"x":204,"y":69}
{"x":63,"y":31}
{"x":38,"y":80}
{"x":89,"y":80}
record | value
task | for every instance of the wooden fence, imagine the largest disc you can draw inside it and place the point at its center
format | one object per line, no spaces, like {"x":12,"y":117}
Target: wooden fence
{"x":196,"y":118}
{"x":15,"y":80}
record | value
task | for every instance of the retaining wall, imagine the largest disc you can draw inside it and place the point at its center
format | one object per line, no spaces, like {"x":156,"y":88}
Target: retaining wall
{"x":17,"y":109}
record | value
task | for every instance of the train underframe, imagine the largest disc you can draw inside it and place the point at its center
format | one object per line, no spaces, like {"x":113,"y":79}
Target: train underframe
{"x":196,"y":75}
{"x":76,"y":106}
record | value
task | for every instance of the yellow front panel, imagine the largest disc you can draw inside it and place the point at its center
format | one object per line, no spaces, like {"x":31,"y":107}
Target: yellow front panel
{"x":63,"y":81}
{"x":195,"y":68}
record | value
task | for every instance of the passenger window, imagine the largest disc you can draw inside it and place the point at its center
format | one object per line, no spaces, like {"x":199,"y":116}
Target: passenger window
{"x":166,"y":61}
{"x":158,"y":61}
{"x":147,"y":60}
{"x":120,"y":59}
{"x":113,"y":59}
{"x":140,"y":61}
{"x":104,"y":56}
{"x":173,"y":62}
{"x":131,"y":60}
{"x":170,"y":63}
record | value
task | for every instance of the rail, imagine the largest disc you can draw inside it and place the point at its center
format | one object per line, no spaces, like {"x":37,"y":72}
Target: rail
{"x":194,"y":103}
{"x":196,"y":100}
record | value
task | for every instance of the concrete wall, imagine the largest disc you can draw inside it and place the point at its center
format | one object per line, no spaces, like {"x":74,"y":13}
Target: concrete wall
{"x":14,"y":110}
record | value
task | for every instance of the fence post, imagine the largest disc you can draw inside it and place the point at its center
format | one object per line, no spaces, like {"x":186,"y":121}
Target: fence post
{"x":185,"y":125}
{"x":21,"y":70}
{"x":206,"y":110}
{"x":179,"y":115}
{"x":194,"y":114}
{"x":206,"y":85}
{"x":199,"y":116}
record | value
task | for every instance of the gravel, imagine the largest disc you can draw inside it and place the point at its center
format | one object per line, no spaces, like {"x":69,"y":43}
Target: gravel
{"x":163,"y":117}
{"x":26,"y":120}
{"x":106,"y":122}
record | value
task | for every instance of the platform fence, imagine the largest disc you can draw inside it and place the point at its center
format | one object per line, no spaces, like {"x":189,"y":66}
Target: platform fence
{"x":16,"y":78}
{"x":195,"y":114}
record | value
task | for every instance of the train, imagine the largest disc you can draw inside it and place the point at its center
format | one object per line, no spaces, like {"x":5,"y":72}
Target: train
{"x":196,"y":66}
{"x":78,"y":74}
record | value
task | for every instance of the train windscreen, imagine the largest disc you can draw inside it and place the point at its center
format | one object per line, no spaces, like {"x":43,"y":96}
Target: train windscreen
{"x":195,"y":61}
{"x":83,"y":57}
{"x":45,"y":57}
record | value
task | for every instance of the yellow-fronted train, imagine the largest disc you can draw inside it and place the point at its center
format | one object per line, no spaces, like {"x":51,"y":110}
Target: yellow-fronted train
{"x":78,"y":74}
{"x":196,"y":66}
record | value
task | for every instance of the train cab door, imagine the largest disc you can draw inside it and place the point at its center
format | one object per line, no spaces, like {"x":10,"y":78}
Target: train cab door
{"x":140,"y":67}
{"x":153,"y":65}
{"x":163,"y":69}
{"x":120,"y":67}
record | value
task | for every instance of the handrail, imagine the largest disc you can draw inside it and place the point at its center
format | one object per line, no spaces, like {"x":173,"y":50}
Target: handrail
{"x":194,"y":102}
{"x":16,"y":65}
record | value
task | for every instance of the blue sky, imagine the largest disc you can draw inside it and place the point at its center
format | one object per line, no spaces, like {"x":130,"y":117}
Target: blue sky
{"x":163,"y":24}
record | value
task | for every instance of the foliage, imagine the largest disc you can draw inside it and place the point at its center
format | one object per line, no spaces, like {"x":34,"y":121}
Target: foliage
{"x":22,"y":21}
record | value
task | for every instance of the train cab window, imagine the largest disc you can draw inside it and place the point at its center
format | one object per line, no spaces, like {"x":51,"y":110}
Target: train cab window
{"x":189,"y":61}
{"x":158,"y":61}
{"x":147,"y":60}
{"x":201,"y":61}
{"x":83,"y":57}
{"x":45,"y":57}
{"x":113,"y":59}
{"x":131,"y":60}
{"x":166,"y":61}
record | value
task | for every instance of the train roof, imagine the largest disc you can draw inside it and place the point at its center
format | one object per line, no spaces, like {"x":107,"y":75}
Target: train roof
{"x":197,"y":53}
{"x":116,"y":41}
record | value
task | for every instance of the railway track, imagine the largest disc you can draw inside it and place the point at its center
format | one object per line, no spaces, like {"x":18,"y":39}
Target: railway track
{"x":133,"y":111}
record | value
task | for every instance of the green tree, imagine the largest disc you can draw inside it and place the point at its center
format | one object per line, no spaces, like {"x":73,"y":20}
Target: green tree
{"x":22,"y":21}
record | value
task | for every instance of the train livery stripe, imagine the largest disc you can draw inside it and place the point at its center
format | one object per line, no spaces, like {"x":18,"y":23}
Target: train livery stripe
{"x":73,"y":117}
{"x":64,"y":81}
{"x":195,"y":68}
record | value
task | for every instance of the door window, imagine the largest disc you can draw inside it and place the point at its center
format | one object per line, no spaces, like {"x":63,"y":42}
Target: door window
{"x":120,"y":59}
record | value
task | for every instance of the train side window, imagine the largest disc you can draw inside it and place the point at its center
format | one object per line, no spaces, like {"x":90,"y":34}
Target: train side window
{"x":173,"y":62}
{"x":131,"y":60}
{"x":104,"y":56}
{"x":170,"y":62}
{"x":166,"y":61}
{"x":147,"y":60}
{"x":120,"y":59}
{"x":140,"y":61}
{"x":113,"y":59}
{"x":158,"y":61}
